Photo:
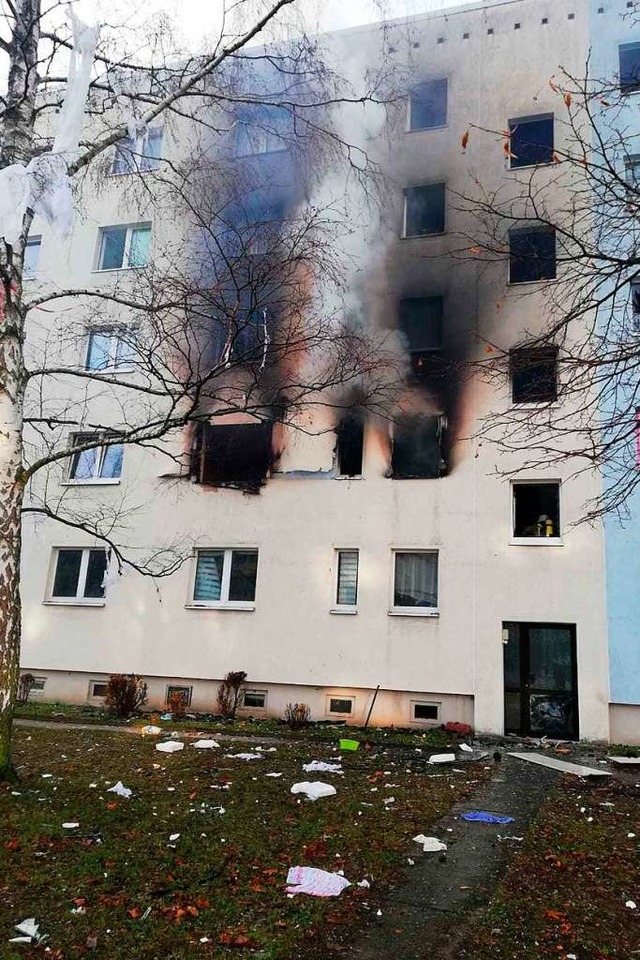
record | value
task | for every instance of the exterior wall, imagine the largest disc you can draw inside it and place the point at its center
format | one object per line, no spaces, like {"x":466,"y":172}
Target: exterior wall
{"x":622,"y":536}
{"x":291,"y":643}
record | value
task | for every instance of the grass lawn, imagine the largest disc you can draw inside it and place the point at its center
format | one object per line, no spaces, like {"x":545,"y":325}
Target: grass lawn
{"x":217,"y":890}
{"x":565,"y":893}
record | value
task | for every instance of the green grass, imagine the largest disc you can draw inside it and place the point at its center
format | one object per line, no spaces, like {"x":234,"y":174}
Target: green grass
{"x":224,"y":878}
{"x":566,"y":890}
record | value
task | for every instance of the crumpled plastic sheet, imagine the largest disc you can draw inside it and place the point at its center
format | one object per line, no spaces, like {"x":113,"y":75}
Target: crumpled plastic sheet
{"x":15,"y":190}
{"x":169,"y":746}
{"x":319,"y":766}
{"x":314,"y":790}
{"x":245,"y":756}
{"x":442,"y":758}
{"x":206,"y":744}
{"x":71,"y":114}
{"x":315,"y":882}
{"x":120,"y":789}
{"x":29,"y":931}
{"x":483,"y":817}
{"x":430,"y":844}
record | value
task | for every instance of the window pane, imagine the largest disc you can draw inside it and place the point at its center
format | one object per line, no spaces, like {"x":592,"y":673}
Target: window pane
{"x":94,"y":586}
{"x":208,"y":575}
{"x":254,"y":698}
{"x":244,"y":568}
{"x":139,"y":251}
{"x":32,"y":256}
{"x":151,"y":149}
{"x":416,"y":580}
{"x":425,"y":711}
{"x":629,"y":66}
{"x":421,"y":323}
{"x":347,"y":577}
{"x":123,"y":161}
{"x":534,"y":375}
{"x":112,"y":462}
{"x":68,"y":563}
{"x":112,"y":253}
{"x":533,"y":255}
{"x":338,"y":705}
{"x":125,"y":347}
{"x":424,"y":210}
{"x":98,"y":352}
{"x":537,"y":509}
{"x":350,"y":434}
{"x":83,"y":465}
{"x":531,"y":141}
{"x":429,"y":105}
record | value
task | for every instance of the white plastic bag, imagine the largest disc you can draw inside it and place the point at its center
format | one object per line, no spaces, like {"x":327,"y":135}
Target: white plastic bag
{"x":314,"y":790}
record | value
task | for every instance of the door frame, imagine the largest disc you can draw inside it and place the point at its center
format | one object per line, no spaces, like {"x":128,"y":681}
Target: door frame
{"x":524,"y":686}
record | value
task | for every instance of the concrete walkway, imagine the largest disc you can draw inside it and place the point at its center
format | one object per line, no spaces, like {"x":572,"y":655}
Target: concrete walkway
{"x":431,"y":915}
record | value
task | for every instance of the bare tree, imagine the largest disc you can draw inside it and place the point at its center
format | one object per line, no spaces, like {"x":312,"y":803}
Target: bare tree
{"x":567,"y":216}
{"x":227,"y":322}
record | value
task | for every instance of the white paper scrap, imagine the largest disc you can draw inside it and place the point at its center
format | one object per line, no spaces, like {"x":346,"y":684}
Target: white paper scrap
{"x":314,"y":790}
{"x":169,"y":746}
{"x":120,"y":789}
{"x":206,"y":744}
{"x":430,"y":844}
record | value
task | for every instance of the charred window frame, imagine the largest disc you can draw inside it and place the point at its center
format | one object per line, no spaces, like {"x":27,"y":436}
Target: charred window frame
{"x":534,"y":374}
{"x":629,"y":64}
{"x":531,"y":141}
{"x":234,"y":455}
{"x":350,"y":444}
{"x":417,"y":448}
{"x":421,"y":323}
{"x":428,"y":105}
{"x":536,"y":512}
{"x":424,"y":210}
{"x":532,"y":254}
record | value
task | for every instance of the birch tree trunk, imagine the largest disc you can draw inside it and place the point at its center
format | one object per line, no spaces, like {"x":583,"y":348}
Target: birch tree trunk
{"x":16,"y":146}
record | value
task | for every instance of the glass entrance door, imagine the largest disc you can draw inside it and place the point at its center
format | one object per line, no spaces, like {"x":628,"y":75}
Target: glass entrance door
{"x":540,"y":680}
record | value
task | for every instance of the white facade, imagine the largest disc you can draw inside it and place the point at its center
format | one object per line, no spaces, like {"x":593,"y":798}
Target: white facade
{"x":294,"y":642}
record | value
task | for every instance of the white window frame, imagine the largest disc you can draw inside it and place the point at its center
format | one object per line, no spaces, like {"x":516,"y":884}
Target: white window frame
{"x":92,"y":694}
{"x":339,"y":696}
{"x":425,"y":703}
{"x":79,"y":600}
{"x":39,"y":690}
{"x":263,"y":693}
{"x":96,"y":480}
{"x":535,"y":541}
{"x":180,"y":687}
{"x":129,"y":228}
{"x":34,"y":241}
{"x":423,"y":236}
{"x":223,"y":603}
{"x":137,"y":153}
{"x":117,"y":334}
{"x":394,"y":611}
{"x":344,"y":608}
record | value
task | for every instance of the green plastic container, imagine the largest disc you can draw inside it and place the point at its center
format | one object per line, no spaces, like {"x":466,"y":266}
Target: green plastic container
{"x":349,"y":744}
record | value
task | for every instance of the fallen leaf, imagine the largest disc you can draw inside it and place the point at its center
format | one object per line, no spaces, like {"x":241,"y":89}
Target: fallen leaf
{"x":568,"y":99}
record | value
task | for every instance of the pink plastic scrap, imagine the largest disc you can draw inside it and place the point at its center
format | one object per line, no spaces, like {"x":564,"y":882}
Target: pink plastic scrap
{"x":315,"y":882}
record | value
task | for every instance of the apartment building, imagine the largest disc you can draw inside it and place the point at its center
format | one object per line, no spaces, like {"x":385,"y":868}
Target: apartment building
{"x":403,"y":554}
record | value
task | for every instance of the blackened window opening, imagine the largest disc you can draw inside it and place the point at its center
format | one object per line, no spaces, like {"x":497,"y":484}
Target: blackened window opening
{"x":531,"y":141}
{"x":424,"y":210}
{"x":421,"y":323}
{"x":350,"y":446}
{"x":418,"y":448}
{"x":532,"y":254}
{"x":235,"y":454}
{"x":536,"y":509}
{"x":534,"y":374}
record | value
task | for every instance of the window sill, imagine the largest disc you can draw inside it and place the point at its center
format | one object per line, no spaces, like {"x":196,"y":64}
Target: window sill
{"x":242,"y":607}
{"x":346,"y":476}
{"x":99,"y":482}
{"x":536,"y":542}
{"x":440,"y":126}
{"x":423,"y":236}
{"x":414,"y":612}
{"x":73,"y":602}
{"x":534,"y":404}
{"x":342,"y":611}
{"x":529,"y":283}
{"x":532,"y":166}
{"x":140,"y":266}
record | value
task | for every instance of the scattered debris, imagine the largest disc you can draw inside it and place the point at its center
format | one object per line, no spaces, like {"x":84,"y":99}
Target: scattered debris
{"x":631,"y":905}
{"x":466,"y":748}
{"x":206,"y":744}
{"x":577,"y":769}
{"x":72,"y":825}
{"x":463,"y":729}
{"x":314,"y":790}
{"x":349,"y":744}
{"x":430,"y":844}
{"x":315,"y":882}
{"x":273,"y":774}
{"x":442,"y":758}
{"x":483,"y":817}
{"x":173,"y":837}
{"x":29,"y":931}
{"x":508,"y":837}
{"x":364,"y":884}
{"x":624,"y":761}
{"x":120,"y":789}
{"x":320,"y":766}
{"x":244,"y":756}
{"x":151,"y":731}
{"x":169,"y":746}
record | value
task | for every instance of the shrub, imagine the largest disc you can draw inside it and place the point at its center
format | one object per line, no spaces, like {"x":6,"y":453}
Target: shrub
{"x":297,"y":715}
{"x":126,"y":693}
{"x":230,"y":693}
{"x":177,"y":704}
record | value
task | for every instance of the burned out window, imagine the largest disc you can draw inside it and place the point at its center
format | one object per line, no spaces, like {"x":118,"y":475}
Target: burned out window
{"x":424,"y":210}
{"x":421,"y":323}
{"x":428,"y":105}
{"x":531,"y":141}
{"x":536,"y":510}
{"x":242,"y":336}
{"x":532,"y":254}
{"x":238,"y":454}
{"x":417,"y":451}
{"x":534,"y":374}
{"x":629,"y":59}
{"x":350,"y":444}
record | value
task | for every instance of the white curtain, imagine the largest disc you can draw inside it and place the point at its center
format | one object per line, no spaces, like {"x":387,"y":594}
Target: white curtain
{"x":416,"y":580}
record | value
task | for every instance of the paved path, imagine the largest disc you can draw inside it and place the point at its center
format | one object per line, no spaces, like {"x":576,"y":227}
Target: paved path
{"x":431,"y":915}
